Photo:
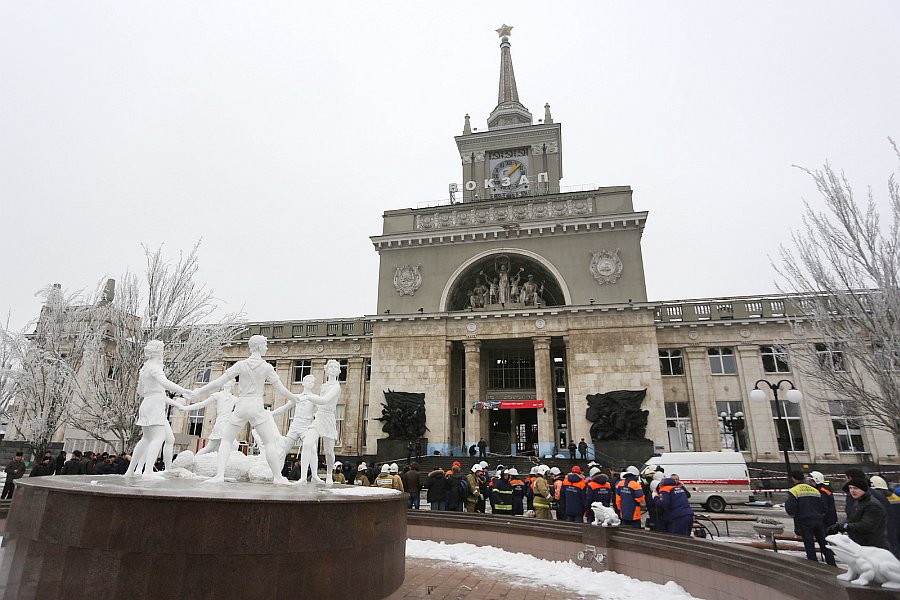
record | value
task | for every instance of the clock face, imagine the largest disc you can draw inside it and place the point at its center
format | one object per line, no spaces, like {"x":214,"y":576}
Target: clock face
{"x":508,"y":167}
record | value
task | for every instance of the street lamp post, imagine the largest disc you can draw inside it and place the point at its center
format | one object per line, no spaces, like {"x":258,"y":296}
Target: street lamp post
{"x":733,"y":424}
{"x":794,"y":397}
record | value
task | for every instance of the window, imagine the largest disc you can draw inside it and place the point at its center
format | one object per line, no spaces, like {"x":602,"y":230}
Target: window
{"x":847,"y":430}
{"x":681,"y":431}
{"x":365,"y":424}
{"x":203,"y":373}
{"x":671,"y":362}
{"x":368,"y":369}
{"x":722,"y":361}
{"x":774,"y":359}
{"x":228,"y":365}
{"x":339,"y":423}
{"x":300,"y":369}
{"x":789,"y":428}
{"x":738,"y":427}
{"x":830,"y":357}
{"x":887,"y":358}
{"x":511,"y":369}
{"x":195,"y":422}
{"x":112,"y":372}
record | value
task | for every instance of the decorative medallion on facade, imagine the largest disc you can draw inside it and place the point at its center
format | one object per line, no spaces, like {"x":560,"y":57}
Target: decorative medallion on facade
{"x":606,"y":266}
{"x":407,"y":280}
{"x":540,"y":323}
{"x":471,"y":327}
{"x":504,"y":213}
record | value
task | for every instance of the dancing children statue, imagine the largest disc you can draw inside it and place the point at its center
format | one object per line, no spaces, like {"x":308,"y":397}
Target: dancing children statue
{"x":323,"y":426}
{"x":152,"y":386}
{"x":224,"y":407}
{"x":303,"y":417}
{"x":253,"y":373}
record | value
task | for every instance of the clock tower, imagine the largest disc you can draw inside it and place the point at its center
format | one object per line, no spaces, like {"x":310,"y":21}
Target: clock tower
{"x":514,"y":157}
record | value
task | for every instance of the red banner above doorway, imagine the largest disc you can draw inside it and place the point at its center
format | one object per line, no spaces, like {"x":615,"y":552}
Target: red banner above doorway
{"x":509,"y":404}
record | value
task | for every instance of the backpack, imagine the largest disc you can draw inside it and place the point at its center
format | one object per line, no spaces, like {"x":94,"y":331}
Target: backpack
{"x":464,"y":486}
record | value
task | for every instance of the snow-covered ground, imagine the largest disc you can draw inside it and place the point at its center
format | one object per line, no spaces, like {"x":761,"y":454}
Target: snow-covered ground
{"x":529,"y":570}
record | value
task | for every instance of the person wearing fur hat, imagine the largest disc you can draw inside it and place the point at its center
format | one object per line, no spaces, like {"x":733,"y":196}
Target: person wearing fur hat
{"x":866,"y":525}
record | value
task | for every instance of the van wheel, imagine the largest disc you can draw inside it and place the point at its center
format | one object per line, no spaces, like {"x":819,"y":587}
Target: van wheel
{"x":715,"y":504}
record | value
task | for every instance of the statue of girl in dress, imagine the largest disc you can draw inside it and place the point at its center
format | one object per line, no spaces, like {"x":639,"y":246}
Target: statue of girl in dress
{"x":323,"y":426}
{"x":152,"y":386}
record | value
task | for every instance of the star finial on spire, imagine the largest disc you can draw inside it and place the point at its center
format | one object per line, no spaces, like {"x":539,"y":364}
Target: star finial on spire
{"x":504,"y":31}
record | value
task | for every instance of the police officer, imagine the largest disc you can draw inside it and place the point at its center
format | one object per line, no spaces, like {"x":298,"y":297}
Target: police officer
{"x":805,"y":504}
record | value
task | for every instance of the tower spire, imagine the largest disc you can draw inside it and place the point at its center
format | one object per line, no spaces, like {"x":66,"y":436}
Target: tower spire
{"x":509,"y":112}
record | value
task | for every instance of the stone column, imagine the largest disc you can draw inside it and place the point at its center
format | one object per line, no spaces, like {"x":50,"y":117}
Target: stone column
{"x":352,"y":396}
{"x":704,"y":417}
{"x":543,"y":383}
{"x":474,"y":420}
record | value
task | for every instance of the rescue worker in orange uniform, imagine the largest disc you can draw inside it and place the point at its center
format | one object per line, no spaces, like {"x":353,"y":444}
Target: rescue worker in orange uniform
{"x":572,"y":496}
{"x":630,"y":498}
{"x":557,"y":478}
{"x":599,"y":489}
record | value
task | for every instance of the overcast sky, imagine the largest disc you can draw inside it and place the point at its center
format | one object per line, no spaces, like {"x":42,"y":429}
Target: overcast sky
{"x":280,"y":132}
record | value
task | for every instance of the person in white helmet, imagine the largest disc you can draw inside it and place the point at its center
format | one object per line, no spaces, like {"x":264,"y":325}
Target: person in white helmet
{"x":827,"y":497}
{"x":543,"y":497}
{"x":338,"y":472}
{"x":518,"y":495}
{"x":556,"y":478}
{"x":384,"y":479}
{"x":361,"y":477}
{"x":473,"y":488}
{"x":395,"y":477}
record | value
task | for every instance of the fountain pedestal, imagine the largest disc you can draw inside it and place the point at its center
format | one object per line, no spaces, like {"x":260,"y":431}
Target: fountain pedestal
{"x":110,"y":537}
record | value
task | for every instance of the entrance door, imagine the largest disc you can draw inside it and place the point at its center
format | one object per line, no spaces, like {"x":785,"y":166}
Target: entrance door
{"x":501,"y":431}
{"x":526,"y":432}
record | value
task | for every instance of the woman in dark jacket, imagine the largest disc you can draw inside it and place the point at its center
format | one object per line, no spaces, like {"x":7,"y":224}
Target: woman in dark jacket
{"x":866,"y":525}
{"x":437,"y":485}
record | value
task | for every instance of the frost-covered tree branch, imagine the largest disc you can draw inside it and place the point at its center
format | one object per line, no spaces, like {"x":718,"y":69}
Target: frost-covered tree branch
{"x":845,"y":262}
{"x":167,"y":304}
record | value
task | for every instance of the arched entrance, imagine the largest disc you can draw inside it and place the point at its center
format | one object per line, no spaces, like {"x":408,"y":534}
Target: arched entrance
{"x":502,"y":280}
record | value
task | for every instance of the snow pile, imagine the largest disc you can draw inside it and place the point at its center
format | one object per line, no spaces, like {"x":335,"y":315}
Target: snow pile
{"x":515,"y":566}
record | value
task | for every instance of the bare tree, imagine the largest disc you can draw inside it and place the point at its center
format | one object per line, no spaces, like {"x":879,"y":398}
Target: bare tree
{"x":168,"y":304}
{"x":39,"y":370}
{"x":845,"y":262}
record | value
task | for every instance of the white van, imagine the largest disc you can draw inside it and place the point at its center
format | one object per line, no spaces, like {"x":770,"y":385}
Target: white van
{"x":714,"y":479}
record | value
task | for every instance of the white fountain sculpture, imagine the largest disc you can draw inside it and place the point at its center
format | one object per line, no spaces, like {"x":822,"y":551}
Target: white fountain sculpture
{"x":865,"y":564}
{"x":324,"y":425}
{"x":604,"y":516}
{"x":155,"y":427}
{"x":253,"y":373}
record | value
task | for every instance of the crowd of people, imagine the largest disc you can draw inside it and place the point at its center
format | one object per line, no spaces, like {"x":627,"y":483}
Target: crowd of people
{"x":655,"y":501}
{"x":871,"y":512}
{"x":80,"y":463}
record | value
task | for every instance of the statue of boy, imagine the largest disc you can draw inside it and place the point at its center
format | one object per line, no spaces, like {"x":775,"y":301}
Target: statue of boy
{"x":253,"y":373}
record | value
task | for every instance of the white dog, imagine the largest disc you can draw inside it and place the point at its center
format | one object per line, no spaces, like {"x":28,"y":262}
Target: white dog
{"x":604,"y":516}
{"x":865,"y":564}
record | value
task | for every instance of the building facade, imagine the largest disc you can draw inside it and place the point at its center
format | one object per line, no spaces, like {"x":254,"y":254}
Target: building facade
{"x":512,"y":302}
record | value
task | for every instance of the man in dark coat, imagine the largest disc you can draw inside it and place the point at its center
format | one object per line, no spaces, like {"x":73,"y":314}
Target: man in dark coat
{"x":805,"y":504}
{"x":60,"y":461}
{"x":482,"y":448}
{"x":866,"y":526}
{"x":412,"y":483}
{"x":44,"y":467}
{"x":582,"y":449}
{"x":14,"y":470}
{"x":73,"y":465}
